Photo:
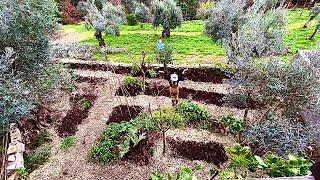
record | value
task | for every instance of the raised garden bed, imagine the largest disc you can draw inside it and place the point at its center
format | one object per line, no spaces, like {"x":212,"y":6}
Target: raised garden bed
{"x":211,"y":152}
{"x":200,"y":74}
{"x":124,"y":113}
{"x":68,"y":125}
{"x":186,"y":93}
{"x":143,"y":152}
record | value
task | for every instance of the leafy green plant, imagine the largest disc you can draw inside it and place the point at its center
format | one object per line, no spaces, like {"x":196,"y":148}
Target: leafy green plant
{"x":293,"y":166}
{"x":68,"y":142}
{"x":165,"y":119}
{"x":241,"y":159}
{"x":23,"y":173}
{"x":133,"y":82}
{"x":116,"y":141}
{"x":234,"y":124}
{"x":34,"y":159}
{"x":165,"y":56}
{"x":192,"y":111}
{"x":152,"y":73}
{"x":132,"y":20}
{"x":185,"y":173}
{"x":85,"y":104}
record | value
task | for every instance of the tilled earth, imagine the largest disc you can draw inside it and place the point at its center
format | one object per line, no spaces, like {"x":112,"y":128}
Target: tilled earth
{"x":147,"y":156}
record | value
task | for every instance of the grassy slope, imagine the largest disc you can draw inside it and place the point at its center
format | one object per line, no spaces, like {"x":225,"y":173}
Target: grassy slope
{"x":190,"y":45}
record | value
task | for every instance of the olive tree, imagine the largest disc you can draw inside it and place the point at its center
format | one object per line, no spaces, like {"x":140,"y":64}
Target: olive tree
{"x":314,"y":14}
{"x":142,"y":12}
{"x":248,"y":33}
{"x":27,"y":73}
{"x":167,"y":14}
{"x":107,"y":20}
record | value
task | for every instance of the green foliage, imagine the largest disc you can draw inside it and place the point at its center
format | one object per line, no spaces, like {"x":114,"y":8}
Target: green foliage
{"x":144,"y":122}
{"x":142,"y":13}
{"x":36,"y":158}
{"x":293,"y":166}
{"x":85,"y":104}
{"x":241,"y":159}
{"x":152,"y":73}
{"x":42,"y":138}
{"x":68,"y":142}
{"x":234,"y":124}
{"x":165,"y":56}
{"x":189,"y":8}
{"x":167,"y":14}
{"x":24,"y":57}
{"x":116,"y":141}
{"x":185,"y":173}
{"x":133,"y":82}
{"x":23,"y":173}
{"x":204,"y":9}
{"x":167,"y":118}
{"x":192,"y":111}
{"x":132,"y":20}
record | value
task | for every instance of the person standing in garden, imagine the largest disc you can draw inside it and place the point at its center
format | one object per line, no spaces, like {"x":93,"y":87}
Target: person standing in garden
{"x":174,"y":80}
{"x":160,"y":45}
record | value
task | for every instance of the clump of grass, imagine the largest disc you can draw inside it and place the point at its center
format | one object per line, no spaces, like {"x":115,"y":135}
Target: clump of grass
{"x":68,"y":142}
{"x":34,"y":159}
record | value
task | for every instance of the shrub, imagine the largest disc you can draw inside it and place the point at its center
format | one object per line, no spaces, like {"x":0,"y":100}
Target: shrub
{"x":281,"y":136}
{"x":192,"y":111}
{"x":165,"y":119}
{"x":142,"y":13}
{"x":69,"y":13}
{"x":165,"y":57}
{"x":82,"y":9}
{"x":189,"y":8}
{"x":203,"y":12}
{"x":132,"y":20}
{"x":68,"y":142}
{"x":234,"y":125}
{"x":116,"y":141}
{"x":42,"y":138}
{"x":131,"y":81}
{"x":293,"y":166}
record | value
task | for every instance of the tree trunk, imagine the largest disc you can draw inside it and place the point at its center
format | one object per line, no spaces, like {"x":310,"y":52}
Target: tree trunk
{"x":165,"y":33}
{"x":308,"y":23}
{"x":98,"y":35}
{"x":315,"y":32}
{"x":164,"y":142}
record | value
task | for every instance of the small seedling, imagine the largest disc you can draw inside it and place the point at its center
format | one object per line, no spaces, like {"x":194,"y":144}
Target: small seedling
{"x":85,"y":104}
{"x":68,"y":142}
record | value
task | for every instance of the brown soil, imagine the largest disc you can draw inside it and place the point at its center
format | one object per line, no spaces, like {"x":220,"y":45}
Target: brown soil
{"x":124,"y":113}
{"x":143,"y":152}
{"x":186,"y":93}
{"x":209,"y":152}
{"x":68,"y":125}
{"x":202,"y":74}
{"x":31,"y":127}
{"x":92,"y":80}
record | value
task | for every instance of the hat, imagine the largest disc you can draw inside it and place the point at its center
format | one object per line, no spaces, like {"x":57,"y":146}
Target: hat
{"x":174,"y":77}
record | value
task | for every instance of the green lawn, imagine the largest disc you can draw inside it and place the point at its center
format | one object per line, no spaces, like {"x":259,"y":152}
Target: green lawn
{"x":189,"y":43}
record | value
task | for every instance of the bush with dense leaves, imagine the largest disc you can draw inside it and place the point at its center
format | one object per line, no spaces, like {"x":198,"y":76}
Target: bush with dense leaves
{"x":189,"y":8}
{"x":131,"y":20}
{"x":281,"y":136}
{"x":234,"y":125}
{"x":69,"y":13}
{"x":142,"y":13}
{"x":192,"y":111}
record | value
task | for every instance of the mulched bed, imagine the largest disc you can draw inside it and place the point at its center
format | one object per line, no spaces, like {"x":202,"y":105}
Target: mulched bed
{"x":200,"y":74}
{"x":143,"y":152}
{"x":68,"y":125}
{"x":124,"y":113}
{"x":209,"y":152}
{"x":92,"y":80}
{"x":186,"y":93}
